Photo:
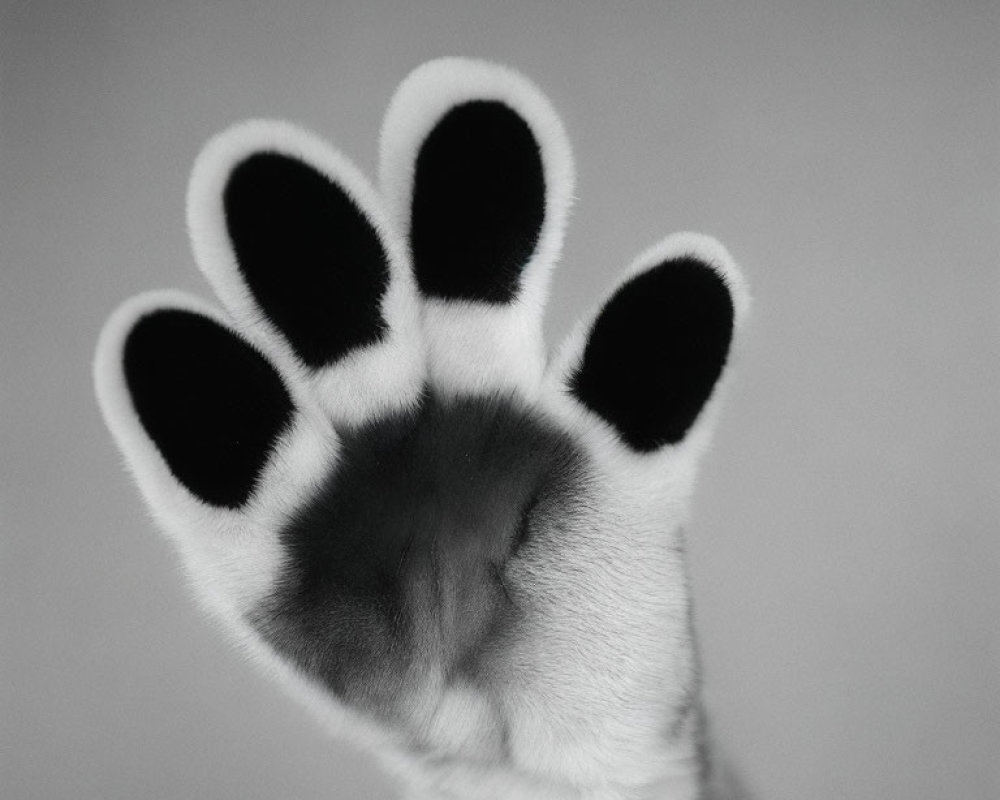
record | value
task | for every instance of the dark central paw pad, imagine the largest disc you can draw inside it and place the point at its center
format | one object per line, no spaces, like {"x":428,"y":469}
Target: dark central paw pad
{"x":400,"y":559}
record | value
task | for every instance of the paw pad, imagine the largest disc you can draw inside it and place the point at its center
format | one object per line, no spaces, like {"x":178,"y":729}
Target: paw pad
{"x":213,"y":405}
{"x":656,"y":351}
{"x":311,"y":259}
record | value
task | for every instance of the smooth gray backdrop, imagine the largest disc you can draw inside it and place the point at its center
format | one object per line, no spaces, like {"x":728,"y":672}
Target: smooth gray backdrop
{"x":845,"y":543}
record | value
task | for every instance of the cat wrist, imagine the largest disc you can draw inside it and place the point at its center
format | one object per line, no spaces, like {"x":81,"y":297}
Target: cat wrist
{"x":677,"y":777}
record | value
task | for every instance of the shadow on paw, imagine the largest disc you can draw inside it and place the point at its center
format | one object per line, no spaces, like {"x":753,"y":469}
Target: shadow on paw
{"x":396,"y":573}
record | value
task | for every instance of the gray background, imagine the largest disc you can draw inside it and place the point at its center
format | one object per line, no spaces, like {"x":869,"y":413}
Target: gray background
{"x":845,"y":546}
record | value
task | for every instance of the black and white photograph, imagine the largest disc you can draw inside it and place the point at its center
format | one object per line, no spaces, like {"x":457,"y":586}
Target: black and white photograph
{"x":499,"y":400}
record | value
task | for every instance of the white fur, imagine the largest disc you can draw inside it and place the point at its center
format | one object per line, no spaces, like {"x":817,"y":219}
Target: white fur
{"x":477,"y":347}
{"x":622,"y":573}
{"x":586,"y":695}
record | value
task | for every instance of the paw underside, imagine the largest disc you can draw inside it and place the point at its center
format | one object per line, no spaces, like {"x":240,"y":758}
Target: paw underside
{"x":376,"y":399}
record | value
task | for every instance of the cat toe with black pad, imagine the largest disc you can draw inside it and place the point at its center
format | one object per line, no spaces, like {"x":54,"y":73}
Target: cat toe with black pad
{"x":295,"y":242}
{"x":648,"y":363}
{"x":220,"y":443}
{"x":477,"y":172}
{"x":211,"y":403}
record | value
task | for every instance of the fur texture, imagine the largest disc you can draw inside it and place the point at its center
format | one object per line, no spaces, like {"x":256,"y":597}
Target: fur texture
{"x":466,"y":558}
